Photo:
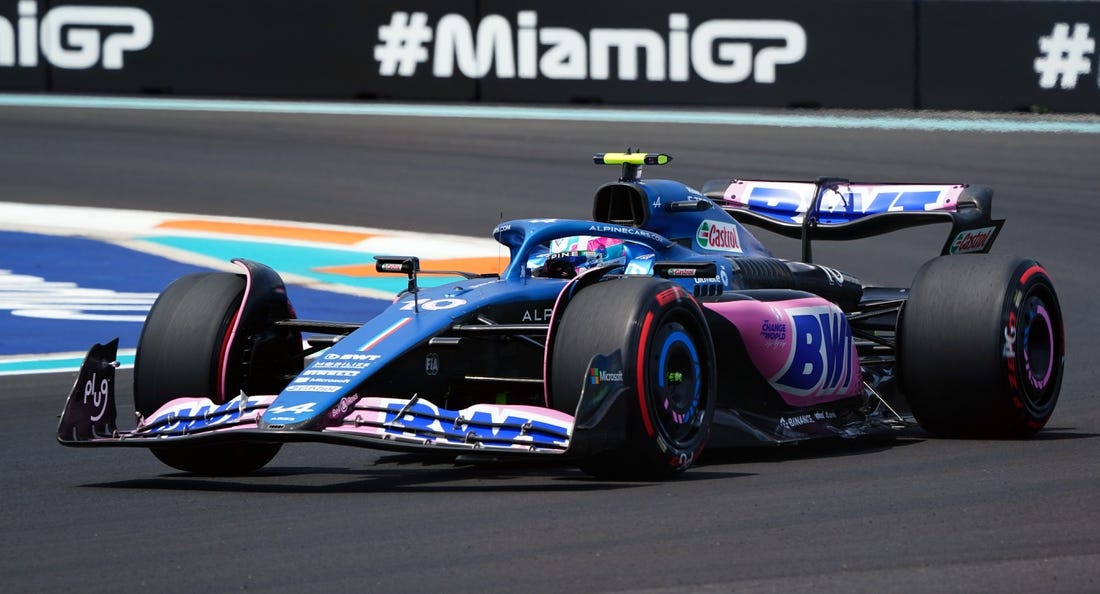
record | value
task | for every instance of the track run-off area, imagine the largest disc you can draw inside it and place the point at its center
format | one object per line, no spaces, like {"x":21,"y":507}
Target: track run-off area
{"x":104,"y":201}
{"x":56,"y":304}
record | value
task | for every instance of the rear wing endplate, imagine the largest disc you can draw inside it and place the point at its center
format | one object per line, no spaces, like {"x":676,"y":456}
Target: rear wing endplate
{"x":837,"y":209}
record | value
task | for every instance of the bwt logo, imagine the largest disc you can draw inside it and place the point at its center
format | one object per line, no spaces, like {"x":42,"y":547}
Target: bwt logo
{"x":528,"y":51}
{"x":823,"y":361}
{"x":791,"y":204}
{"x":74,"y":37}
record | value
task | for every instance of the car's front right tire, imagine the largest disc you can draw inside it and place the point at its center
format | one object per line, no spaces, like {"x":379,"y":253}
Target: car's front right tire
{"x":180,"y":354}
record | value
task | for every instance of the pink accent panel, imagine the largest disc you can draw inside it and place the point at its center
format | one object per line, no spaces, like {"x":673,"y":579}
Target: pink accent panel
{"x":739,"y":190}
{"x":546,"y":354}
{"x":803,"y":347}
{"x":182,"y":405}
{"x":373,"y":408}
{"x":223,"y":370}
{"x":371,"y":413}
{"x":952,"y":198}
{"x":205,"y":407}
{"x":768,"y":354}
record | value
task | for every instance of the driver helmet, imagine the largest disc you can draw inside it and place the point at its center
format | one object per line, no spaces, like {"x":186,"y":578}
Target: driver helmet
{"x":572,"y":255}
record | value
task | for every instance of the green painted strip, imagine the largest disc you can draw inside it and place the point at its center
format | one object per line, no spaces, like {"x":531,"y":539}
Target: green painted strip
{"x":54,"y":363}
{"x":1022,"y":123}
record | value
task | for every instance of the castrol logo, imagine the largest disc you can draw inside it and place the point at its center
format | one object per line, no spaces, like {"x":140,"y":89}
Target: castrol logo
{"x":971,"y":241}
{"x":716,"y":235}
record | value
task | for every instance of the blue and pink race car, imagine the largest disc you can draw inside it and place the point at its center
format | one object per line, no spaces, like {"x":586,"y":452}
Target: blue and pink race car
{"x":624,"y":344}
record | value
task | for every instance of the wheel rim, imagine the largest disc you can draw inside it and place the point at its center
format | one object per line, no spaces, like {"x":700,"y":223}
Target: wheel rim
{"x":1038,"y":344}
{"x":675,"y":382}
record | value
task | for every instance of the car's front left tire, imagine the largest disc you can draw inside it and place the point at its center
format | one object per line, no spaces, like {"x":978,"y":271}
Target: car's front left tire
{"x":667,"y":370}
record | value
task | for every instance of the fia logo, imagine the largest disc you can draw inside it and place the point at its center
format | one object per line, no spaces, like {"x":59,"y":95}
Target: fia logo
{"x":431,"y":364}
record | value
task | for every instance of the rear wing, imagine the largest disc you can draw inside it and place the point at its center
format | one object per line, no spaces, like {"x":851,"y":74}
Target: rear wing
{"x":837,"y":209}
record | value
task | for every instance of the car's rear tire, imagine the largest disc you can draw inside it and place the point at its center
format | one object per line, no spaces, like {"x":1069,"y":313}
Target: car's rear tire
{"x":668,"y":371}
{"x":179,"y":355}
{"x":981,"y":347}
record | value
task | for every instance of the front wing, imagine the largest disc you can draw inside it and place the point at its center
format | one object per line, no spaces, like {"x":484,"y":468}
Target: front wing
{"x":414,"y":424}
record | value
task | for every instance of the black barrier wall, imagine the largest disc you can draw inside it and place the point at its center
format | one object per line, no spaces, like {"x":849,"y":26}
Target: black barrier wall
{"x":940,"y":54}
{"x":1009,"y":55}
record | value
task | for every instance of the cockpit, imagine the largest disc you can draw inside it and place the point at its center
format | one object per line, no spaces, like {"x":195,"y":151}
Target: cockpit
{"x":566,"y":257}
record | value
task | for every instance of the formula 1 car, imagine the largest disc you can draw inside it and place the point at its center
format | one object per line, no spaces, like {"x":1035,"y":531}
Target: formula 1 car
{"x":622,"y":344}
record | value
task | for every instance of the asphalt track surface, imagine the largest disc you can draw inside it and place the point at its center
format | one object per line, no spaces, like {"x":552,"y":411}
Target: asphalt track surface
{"x":908,"y":515}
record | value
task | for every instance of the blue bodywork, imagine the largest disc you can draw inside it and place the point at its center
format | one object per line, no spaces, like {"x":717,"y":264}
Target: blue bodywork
{"x":670,"y":235}
{"x":401,"y":381}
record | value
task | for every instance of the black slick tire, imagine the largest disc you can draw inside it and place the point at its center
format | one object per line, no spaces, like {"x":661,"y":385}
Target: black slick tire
{"x":179,"y":355}
{"x":981,"y":347}
{"x":668,"y":371}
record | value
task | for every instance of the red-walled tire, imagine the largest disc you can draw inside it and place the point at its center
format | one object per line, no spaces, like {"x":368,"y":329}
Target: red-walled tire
{"x":179,"y":355}
{"x":668,"y":371}
{"x":981,"y":347}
